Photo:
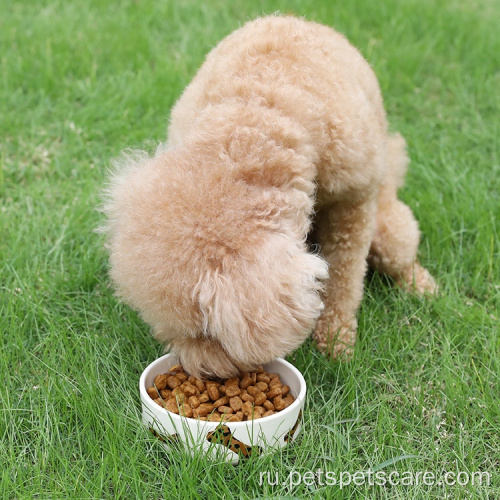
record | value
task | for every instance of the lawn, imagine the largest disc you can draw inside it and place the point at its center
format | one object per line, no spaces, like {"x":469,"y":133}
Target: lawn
{"x":80,"y":82}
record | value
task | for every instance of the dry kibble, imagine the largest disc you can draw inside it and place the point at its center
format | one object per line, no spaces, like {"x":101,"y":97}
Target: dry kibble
{"x":177,"y":393}
{"x":236,"y":403}
{"x":278,"y":403}
{"x":161,"y":382}
{"x":251,"y":395}
{"x":259,"y":398}
{"x":189,"y":390}
{"x":247,"y":397}
{"x":233,"y":390}
{"x":200,"y":385}
{"x":152,"y":392}
{"x":213,"y":392}
{"x":275,"y":391}
{"x":204,"y":409}
{"x":181,"y":376}
{"x":288,"y":400}
{"x":173,"y":382}
{"x":262,"y":386}
{"x":221,"y":401}
{"x":185,"y":410}
{"x":268,"y":405}
{"x":176,"y":369}
{"x":204,"y":397}
{"x":245,"y":382}
{"x":171,"y":405}
{"x":194,"y":402}
{"x":247,"y":408}
{"x":166,"y":393}
{"x":275,"y":382}
{"x":252,"y":390}
{"x":259,"y":410}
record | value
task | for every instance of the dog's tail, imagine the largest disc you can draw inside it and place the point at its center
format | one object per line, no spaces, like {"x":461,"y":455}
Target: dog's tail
{"x":397,"y":159}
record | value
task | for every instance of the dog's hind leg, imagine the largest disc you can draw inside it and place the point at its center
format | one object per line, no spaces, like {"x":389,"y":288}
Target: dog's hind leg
{"x":394,"y":247}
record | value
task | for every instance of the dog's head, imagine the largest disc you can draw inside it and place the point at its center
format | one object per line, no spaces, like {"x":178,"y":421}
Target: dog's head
{"x":217,"y":267}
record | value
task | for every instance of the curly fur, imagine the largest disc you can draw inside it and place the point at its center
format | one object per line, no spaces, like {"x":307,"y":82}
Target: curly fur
{"x":283,"y":123}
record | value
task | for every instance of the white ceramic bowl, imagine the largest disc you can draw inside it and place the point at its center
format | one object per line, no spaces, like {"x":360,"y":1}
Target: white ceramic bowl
{"x":230,"y":441}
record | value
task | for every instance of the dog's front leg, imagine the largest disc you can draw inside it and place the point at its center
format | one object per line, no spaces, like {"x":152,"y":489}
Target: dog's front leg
{"x":344,"y":231}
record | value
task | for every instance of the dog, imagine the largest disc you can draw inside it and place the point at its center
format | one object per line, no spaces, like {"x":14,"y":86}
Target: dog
{"x":281,"y":135}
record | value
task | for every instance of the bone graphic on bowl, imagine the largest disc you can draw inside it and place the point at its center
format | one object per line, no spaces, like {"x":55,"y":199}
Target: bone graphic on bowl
{"x":223,"y":436}
{"x":291,"y":432}
{"x":172,"y":438}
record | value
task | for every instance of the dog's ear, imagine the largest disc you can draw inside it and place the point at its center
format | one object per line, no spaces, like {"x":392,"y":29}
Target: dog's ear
{"x":265,"y":304}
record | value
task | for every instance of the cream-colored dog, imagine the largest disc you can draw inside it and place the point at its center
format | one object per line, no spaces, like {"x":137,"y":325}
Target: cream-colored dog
{"x":283,"y":125}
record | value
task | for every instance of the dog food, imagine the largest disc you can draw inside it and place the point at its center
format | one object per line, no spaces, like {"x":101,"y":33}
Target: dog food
{"x":250,"y":396}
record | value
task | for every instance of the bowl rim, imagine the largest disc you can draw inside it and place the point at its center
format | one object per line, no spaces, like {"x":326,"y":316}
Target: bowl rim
{"x":146,"y":399}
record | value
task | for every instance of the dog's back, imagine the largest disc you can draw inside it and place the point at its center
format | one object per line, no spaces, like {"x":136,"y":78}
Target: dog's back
{"x":311,"y":77}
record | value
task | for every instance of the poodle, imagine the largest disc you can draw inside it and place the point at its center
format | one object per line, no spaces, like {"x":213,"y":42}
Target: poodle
{"x":281,"y":135}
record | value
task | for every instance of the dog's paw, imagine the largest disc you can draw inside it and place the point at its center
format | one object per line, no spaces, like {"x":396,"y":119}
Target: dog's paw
{"x":419,"y":281}
{"x":335,"y":339}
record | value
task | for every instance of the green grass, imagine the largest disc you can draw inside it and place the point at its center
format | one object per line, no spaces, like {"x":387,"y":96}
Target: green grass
{"x":79,"y":82}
